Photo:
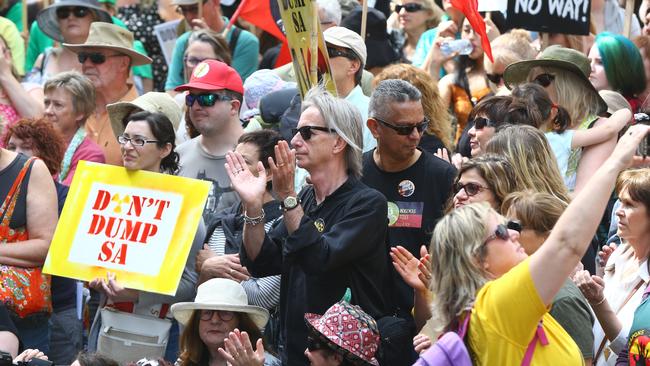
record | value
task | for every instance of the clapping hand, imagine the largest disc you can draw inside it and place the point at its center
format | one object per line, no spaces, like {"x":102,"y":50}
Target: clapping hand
{"x":415,"y":272}
{"x":238,"y":350}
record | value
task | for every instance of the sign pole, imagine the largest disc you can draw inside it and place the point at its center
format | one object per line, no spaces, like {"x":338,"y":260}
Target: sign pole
{"x":313,"y":46}
{"x":629,"y":11}
{"x":364,"y":19}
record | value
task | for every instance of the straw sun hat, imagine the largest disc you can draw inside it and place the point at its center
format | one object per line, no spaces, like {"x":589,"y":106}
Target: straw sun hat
{"x":220,"y":294}
{"x":154,"y":102}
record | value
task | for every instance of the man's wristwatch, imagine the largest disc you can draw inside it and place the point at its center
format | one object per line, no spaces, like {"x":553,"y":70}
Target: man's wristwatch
{"x":289,"y":203}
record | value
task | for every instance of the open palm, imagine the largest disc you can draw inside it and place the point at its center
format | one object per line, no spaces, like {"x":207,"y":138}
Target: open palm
{"x":250,"y":188}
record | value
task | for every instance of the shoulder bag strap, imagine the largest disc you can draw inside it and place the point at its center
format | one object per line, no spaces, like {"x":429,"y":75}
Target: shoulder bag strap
{"x":12,"y":195}
{"x":540,"y":335}
{"x":629,"y":296}
{"x":233,"y":40}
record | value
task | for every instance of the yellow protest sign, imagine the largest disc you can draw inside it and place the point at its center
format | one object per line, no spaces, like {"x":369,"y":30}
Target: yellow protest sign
{"x":137,"y":224}
{"x":306,"y":44}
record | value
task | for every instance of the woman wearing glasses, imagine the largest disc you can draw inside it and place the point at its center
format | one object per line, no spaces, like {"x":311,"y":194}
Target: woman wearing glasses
{"x":507,"y":294}
{"x":414,"y":17}
{"x":147,"y":143}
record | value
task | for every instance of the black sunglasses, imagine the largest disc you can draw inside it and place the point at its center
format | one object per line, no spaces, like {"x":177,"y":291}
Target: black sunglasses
{"x":314,"y":344}
{"x":405,"y":130}
{"x":65,"y":11}
{"x":205,"y":100}
{"x":502,"y":232}
{"x":482,"y":122}
{"x":471,"y":189}
{"x":333,"y":52}
{"x":410,"y":7}
{"x":95,"y":57}
{"x":495,"y":78}
{"x":307,"y":131}
{"x":544,"y":80}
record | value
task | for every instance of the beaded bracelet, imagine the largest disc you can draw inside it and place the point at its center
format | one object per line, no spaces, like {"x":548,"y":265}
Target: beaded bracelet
{"x":252,"y":221}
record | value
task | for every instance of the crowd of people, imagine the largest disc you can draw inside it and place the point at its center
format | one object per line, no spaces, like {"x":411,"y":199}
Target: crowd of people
{"x":437,"y":208}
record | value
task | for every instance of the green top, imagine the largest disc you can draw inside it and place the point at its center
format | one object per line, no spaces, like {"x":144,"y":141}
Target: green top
{"x":15,"y":14}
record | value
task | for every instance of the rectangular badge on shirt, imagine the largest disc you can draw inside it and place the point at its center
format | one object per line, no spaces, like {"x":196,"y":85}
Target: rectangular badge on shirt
{"x":405,"y":214}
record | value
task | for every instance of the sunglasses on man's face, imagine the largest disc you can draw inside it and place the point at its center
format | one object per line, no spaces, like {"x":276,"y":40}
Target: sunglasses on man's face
{"x":205,"y":100}
{"x":307,"y":131}
{"x":334,"y":52}
{"x":405,"y":130}
{"x":544,"y":80}
{"x":95,"y":57}
{"x":495,"y":78}
{"x":410,"y":7}
{"x":65,"y":11}
{"x":482,"y":122}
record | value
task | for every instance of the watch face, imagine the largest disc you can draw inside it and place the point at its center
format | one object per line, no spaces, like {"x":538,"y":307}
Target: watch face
{"x":290,"y":202}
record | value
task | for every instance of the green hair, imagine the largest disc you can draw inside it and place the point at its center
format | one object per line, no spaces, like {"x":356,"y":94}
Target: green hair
{"x":622,"y":62}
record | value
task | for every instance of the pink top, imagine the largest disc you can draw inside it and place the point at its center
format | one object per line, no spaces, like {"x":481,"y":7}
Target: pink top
{"x":9,"y":118}
{"x":87,"y":150}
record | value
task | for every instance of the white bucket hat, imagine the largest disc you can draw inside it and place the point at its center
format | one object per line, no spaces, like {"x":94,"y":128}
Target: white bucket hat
{"x":220,"y":294}
{"x":154,"y":102}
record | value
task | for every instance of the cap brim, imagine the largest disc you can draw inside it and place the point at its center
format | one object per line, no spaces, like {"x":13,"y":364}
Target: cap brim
{"x":120,"y":110}
{"x":182,"y":311}
{"x":517,"y":73}
{"x":199,"y":85}
{"x":137,"y":58}
{"x":49,"y":23}
{"x":338,"y":43}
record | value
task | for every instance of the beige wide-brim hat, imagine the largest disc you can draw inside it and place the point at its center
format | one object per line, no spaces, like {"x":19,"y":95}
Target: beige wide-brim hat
{"x":154,"y":102}
{"x":220,"y":294}
{"x":112,"y":37}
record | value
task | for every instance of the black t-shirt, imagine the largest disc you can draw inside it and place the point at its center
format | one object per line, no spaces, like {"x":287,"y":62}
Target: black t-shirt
{"x":416,"y":198}
{"x":8,"y":176}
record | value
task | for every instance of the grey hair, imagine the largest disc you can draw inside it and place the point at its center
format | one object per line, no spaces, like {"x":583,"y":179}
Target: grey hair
{"x":391,"y":91}
{"x":343,"y":117}
{"x":78,"y":86}
{"x":331,"y":11}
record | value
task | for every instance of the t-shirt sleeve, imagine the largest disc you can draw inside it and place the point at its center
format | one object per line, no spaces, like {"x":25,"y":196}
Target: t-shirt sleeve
{"x":510,"y":305}
{"x":575,"y":317}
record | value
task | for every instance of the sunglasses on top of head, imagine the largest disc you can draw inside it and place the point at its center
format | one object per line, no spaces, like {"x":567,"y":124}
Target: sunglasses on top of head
{"x":502,"y":231}
{"x":205,"y":100}
{"x":544,"y":80}
{"x":405,"y":130}
{"x":307,"y":131}
{"x":410,"y":7}
{"x":65,"y":11}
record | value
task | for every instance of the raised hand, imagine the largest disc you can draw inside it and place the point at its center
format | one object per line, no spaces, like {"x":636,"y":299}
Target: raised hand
{"x":239,"y":350}
{"x":283,"y":169}
{"x":249,"y":187}
{"x":407,"y":265}
{"x":591,"y":287}
{"x":627,"y":145}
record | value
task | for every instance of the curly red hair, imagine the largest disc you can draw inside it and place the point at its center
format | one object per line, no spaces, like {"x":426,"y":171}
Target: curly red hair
{"x":47,"y":142}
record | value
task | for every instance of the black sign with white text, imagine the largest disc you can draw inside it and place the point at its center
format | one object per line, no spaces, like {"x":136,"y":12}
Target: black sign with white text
{"x":550,"y":16}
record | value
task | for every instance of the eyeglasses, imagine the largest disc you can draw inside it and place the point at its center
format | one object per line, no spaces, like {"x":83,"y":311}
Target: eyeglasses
{"x":471,"y":189}
{"x":95,"y":57}
{"x":307,"y":131}
{"x":410,"y":7}
{"x":405,"y":130}
{"x":65,"y":11}
{"x":222,"y":314}
{"x":193,"y":61}
{"x":544,"y":80}
{"x":333,"y":52}
{"x":502,"y":231}
{"x":482,"y":122}
{"x":314,"y":344}
{"x":205,"y":100}
{"x":135,"y":141}
{"x":495,"y":78}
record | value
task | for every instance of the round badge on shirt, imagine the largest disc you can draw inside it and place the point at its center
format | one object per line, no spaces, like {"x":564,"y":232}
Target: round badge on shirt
{"x":406,"y":188}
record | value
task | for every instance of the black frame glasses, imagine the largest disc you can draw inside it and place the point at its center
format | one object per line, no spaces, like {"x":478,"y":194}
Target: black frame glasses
{"x":410,"y":7}
{"x":405,"y":130}
{"x":482,"y":122}
{"x":307,"y":131}
{"x":470,"y":188}
{"x":135,"y":141}
{"x":335,"y":52}
{"x":95,"y":57}
{"x":503,"y":231}
{"x":544,"y":79}
{"x":494,"y":78}
{"x":224,"y":315}
{"x":64,"y":12}
{"x":205,"y":99}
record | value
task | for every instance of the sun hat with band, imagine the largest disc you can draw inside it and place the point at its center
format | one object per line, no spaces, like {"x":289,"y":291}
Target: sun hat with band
{"x":220,"y":294}
{"x":49,"y":22}
{"x":213,"y":75}
{"x":558,"y":57}
{"x":154,"y":102}
{"x":112,"y":37}
{"x":347,"y":330}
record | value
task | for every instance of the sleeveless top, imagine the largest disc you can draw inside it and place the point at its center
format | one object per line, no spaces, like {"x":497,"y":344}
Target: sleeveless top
{"x":7,"y":177}
{"x":462,"y":105}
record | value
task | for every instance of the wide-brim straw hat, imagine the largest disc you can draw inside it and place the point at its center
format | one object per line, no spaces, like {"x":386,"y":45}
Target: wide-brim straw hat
{"x":220,"y":294}
{"x":154,"y":102}
{"x":112,"y":37}
{"x":49,"y":23}
{"x":558,"y":57}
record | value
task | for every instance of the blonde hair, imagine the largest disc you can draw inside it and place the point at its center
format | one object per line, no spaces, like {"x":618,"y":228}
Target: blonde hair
{"x":537,"y":211}
{"x":512,"y":47}
{"x":530,"y":154}
{"x":498,"y":173}
{"x":456,"y":274}
{"x":432,"y":104}
{"x":434,"y":10}
{"x":637,"y":184}
{"x":573,"y":94}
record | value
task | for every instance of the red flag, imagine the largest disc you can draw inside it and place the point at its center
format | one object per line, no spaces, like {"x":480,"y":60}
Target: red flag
{"x":284,"y":57}
{"x":258,"y":13}
{"x":470,"y":9}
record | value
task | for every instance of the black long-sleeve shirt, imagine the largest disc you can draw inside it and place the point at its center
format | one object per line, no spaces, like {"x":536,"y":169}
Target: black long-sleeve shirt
{"x":339,"y":244}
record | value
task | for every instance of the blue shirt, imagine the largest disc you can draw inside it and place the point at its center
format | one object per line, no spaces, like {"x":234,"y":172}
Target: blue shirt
{"x":361,"y":101}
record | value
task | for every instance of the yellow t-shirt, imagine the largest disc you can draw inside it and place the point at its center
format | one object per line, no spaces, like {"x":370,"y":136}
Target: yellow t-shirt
{"x":505,"y":317}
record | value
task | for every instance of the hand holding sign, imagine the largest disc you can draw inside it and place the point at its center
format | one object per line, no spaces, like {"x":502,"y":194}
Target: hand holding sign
{"x":113,"y":290}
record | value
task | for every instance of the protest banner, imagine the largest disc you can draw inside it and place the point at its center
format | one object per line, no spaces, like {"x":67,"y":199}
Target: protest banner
{"x":550,"y":16}
{"x":493,"y":5}
{"x":137,"y":224}
{"x":167,"y":36}
{"x":305,"y":38}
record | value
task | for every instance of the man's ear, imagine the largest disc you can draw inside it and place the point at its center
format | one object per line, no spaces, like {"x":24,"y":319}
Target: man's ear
{"x":373,"y":126}
{"x":339,"y":145}
{"x":235,"y":106}
{"x":354,"y":67}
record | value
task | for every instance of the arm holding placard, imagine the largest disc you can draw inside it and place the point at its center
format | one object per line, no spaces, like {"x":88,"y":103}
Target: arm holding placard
{"x":41,"y":221}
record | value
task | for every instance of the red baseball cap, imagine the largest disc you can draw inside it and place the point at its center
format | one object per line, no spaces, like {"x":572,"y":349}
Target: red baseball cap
{"x":214,"y":75}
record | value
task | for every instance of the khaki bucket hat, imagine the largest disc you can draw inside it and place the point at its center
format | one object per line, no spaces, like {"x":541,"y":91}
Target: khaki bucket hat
{"x":558,"y":57}
{"x":49,"y":23}
{"x":154,"y":102}
{"x":112,"y":37}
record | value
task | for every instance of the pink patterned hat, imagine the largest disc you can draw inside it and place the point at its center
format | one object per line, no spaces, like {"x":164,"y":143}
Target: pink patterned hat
{"x":349,"y":330}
